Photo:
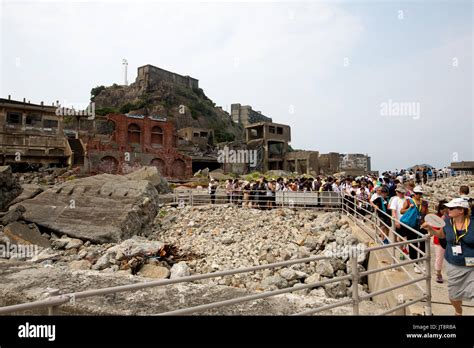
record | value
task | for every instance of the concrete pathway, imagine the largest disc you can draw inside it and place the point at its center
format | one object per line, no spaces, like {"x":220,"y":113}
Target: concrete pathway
{"x":439,"y":292}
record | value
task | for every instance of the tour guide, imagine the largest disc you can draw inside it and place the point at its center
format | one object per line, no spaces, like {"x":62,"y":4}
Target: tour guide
{"x":458,"y":235}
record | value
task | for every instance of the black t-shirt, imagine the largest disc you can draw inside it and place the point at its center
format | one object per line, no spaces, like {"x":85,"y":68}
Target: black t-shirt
{"x":383,"y":207}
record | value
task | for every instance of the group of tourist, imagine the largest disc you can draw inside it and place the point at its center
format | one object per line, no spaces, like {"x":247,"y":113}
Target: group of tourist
{"x":396,"y":197}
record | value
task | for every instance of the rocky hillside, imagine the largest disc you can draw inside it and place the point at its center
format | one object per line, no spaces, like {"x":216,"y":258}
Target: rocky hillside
{"x":185,"y":107}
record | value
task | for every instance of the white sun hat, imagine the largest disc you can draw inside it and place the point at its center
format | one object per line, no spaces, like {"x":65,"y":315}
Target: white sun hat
{"x":457,"y":203}
{"x":418,"y":189}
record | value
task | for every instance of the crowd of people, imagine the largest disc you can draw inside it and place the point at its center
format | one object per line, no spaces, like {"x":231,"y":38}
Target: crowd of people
{"x":397,"y":199}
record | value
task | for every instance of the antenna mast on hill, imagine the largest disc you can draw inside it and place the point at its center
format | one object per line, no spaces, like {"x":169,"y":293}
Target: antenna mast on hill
{"x":125,"y":64}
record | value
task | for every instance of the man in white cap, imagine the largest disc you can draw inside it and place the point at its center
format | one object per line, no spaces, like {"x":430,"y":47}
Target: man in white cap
{"x":458,"y":237}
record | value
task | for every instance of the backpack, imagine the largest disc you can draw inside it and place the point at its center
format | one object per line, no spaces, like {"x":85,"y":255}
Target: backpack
{"x":411,"y":216}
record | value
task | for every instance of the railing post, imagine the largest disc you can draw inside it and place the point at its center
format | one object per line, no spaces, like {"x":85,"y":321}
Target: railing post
{"x":428,"y":274}
{"x":377,"y":223}
{"x":53,"y":310}
{"x":355,"y":282}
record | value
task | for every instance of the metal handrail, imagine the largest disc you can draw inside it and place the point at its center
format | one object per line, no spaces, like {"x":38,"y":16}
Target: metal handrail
{"x":55,"y":301}
{"x":411,"y":242}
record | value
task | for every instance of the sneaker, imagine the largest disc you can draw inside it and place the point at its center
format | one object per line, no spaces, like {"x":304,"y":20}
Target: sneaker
{"x":439,"y":278}
{"x":402,"y":256}
{"x":405,"y":250}
{"x":417,"y":269}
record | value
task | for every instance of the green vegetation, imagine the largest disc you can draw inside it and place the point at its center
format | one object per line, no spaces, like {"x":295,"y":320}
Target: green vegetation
{"x":105,"y":111}
{"x":223,"y":136}
{"x":96,"y":91}
{"x":162,"y":214}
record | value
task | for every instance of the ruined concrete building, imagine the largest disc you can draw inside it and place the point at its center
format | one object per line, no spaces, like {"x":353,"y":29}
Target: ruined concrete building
{"x":198,"y":144}
{"x":150,"y":76}
{"x":463,"y":166}
{"x":201,"y":137}
{"x":354,"y":163}
{"x":272,"y":140}
{"x":304,"y":162}
{"x":244,"y":115}
{"x":31,"y":134}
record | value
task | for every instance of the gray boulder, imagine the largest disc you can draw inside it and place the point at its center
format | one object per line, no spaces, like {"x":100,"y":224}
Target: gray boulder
{"x":325,"y":268}
{"x":152,"y":175}
{"x":179,"y":270}
{"x":274,"y":281}
{"x":154,"y":271}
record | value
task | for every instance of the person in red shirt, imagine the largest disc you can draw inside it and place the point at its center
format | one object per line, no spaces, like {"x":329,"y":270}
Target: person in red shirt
{"x":439,"y":250}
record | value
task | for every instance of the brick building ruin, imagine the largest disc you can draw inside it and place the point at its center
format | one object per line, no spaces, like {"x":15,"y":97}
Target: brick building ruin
{"x":134,"y":142}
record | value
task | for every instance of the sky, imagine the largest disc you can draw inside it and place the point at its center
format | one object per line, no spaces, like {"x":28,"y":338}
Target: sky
{"x":392,"y":79}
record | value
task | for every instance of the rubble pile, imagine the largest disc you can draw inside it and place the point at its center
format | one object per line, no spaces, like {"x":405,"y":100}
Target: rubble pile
{"x":226,"y":237}
{"x":207,"y":239}
{"x":186,"y":241}
{"x":47,"y":176}
{"x":448,"y":188}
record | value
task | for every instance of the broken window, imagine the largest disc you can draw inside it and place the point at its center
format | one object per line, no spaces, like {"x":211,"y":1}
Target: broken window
{"x":14,"y":118}
{"x":34,"y":120}
{"x":134,"y":134}
{"x":279,"y":130}
{"x":156,"y":137}
{"x":203,"y":134}
{"x":50,"y":123}
{"x":271,"y":129}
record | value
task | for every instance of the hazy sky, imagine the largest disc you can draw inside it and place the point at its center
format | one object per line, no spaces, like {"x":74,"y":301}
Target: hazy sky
{"x":328,"y":69}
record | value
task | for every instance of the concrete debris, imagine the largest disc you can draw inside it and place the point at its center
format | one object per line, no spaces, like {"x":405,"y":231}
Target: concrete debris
{"x":447,"y":188}
{"x":154,"y":271}
{"x":12,"y":215}
{"x":179,"y":270}
{"x":152,"y":175}
{"x":102,"y":208}
{"x":21,"y":233}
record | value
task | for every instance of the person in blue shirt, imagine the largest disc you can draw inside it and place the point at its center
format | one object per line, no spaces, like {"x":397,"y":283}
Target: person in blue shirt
{"x":457,"y":236}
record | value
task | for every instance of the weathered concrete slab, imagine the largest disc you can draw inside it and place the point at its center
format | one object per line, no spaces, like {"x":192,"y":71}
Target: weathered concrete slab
{"x":102,"y":208}
{"x":29,"y":191}
{"x":12,"y":215}
{"x":152,"y":175}
{"x":21,"y":233}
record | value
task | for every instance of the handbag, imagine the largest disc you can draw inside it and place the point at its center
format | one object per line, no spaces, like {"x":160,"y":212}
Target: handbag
{"x":411,"y":217}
